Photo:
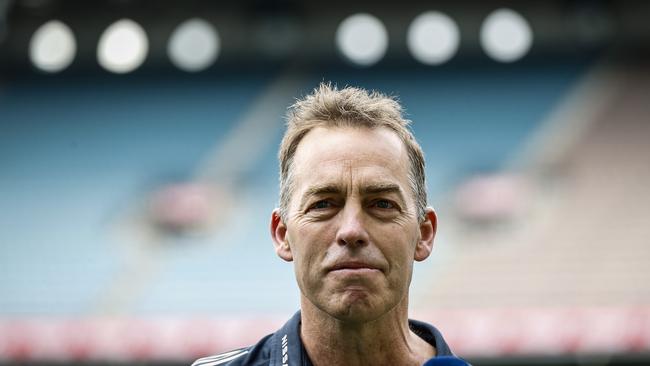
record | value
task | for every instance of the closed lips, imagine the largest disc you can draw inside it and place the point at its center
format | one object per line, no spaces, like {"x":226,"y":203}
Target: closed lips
{"x":353,"y":265}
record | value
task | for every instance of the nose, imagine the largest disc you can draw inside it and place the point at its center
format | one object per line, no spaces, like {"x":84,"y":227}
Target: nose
{"x":352,"y":230}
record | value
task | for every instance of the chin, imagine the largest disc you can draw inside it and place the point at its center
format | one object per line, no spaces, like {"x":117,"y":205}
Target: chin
{"x":356,"y":307}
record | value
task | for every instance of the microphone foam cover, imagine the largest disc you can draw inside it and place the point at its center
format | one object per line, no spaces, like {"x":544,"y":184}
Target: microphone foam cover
{"x":446,"y":361}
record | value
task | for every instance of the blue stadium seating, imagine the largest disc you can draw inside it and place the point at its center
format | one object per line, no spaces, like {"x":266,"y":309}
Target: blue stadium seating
{"x":75,"y":154}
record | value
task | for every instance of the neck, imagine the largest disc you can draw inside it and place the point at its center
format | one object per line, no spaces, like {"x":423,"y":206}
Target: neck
{"x":383,"y":341}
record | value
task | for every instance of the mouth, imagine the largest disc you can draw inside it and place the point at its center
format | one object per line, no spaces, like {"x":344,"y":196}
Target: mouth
{"x":354,"y":267}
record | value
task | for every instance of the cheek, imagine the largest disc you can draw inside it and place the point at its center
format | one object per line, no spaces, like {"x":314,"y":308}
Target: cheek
{"x":404,"y":235}
{"x":309,"y":245}
{"x":399,"y":249}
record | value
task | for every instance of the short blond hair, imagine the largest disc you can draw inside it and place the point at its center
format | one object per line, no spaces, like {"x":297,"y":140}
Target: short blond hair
{"x":328,"y":106}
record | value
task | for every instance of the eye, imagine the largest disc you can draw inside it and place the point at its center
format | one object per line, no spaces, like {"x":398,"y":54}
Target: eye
{"x":321,"y":205}
{"x":384,"y":204}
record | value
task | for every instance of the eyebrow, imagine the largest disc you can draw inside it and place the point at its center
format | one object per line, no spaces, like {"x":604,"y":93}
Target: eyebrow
{"x":381,"y":188}
{"x":322,"y":189}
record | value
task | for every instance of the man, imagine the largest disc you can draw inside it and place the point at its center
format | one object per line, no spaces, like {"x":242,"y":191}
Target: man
{"x":352,"y":218}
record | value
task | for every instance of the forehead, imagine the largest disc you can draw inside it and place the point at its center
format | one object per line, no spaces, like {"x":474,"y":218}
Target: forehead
{"x":351,"y":152}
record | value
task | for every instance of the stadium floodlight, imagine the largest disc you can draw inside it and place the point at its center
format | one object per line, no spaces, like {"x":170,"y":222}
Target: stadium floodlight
{"x":433,"y":38}
{"x":122,"y":47}
{"x":52,"y":47}
{"x":194,"y":45}
{"x":506,"y":35}
{"x":362,"y":39}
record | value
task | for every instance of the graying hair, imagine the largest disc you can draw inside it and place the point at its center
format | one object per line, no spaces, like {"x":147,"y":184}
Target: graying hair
{"x":328,"y":106}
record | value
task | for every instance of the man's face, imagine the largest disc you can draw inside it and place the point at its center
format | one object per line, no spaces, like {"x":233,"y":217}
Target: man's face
{"x":351,"y":227}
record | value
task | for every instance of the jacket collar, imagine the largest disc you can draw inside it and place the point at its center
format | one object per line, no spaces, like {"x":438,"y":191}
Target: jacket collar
{"x":287,"y":348}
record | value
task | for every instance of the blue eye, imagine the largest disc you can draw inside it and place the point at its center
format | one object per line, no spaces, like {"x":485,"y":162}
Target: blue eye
{"x":321,"y":205}
{"x":384,"y":204}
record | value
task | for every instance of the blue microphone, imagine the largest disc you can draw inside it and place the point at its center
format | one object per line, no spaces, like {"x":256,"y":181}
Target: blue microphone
{"x":446,"y":361}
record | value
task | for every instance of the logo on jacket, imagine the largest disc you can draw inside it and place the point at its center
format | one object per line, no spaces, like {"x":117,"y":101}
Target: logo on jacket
{"x":285,"y":351}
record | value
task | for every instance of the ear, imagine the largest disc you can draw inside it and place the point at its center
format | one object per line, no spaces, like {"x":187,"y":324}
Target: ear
{"x":428,"y":229}
{"x":279,"y":235}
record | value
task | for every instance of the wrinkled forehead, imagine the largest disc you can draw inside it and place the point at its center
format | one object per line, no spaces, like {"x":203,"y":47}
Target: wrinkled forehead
{"x":352,"y":152}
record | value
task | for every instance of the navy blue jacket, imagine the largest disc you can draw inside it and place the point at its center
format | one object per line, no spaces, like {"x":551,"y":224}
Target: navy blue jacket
{"x":284,"y":347}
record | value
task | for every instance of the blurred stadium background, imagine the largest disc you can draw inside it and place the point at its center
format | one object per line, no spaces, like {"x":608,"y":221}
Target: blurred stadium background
{"x":138,"y":171}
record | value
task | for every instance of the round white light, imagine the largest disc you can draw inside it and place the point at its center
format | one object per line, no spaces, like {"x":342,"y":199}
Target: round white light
{"x":433,"y":38}
{"x":52,"y":47}
{"x":122,"y":47}
{"x":362,"y":39}
{"x":194,"y":45}
{"x":506,"y":35}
